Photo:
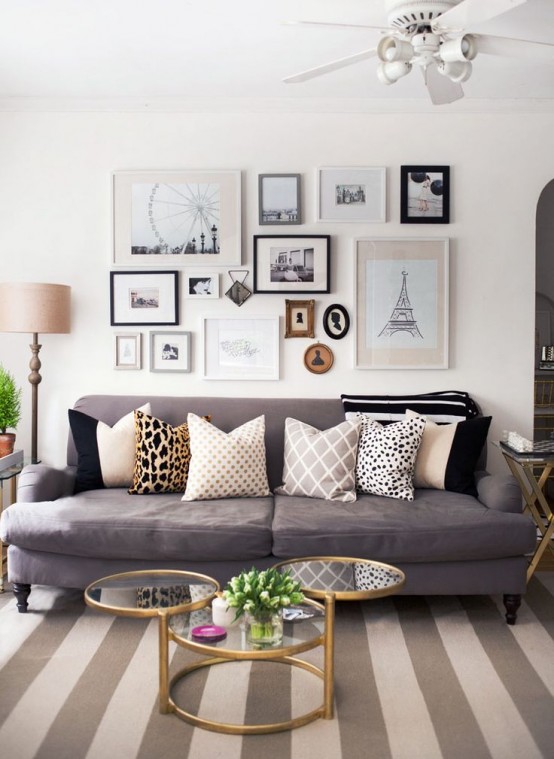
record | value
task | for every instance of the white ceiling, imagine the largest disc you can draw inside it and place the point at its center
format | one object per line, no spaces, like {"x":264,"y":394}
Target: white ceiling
{"x":185,"y":52}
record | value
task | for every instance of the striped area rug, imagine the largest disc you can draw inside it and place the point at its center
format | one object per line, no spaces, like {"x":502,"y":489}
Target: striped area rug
{"x":416,"y":678}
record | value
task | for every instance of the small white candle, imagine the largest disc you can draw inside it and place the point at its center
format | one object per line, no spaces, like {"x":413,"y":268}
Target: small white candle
{"x":222,"y":614}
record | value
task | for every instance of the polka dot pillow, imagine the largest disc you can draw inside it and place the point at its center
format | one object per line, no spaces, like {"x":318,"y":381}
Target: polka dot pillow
{"x":226,"y":464}
{"x":386,"y":457}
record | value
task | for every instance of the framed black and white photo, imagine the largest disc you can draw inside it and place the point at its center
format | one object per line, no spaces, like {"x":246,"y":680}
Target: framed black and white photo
{"x":170,"y":351}
{"x":401,"y":288}
{"x":299,"y":318}
{"x":176,"y":218}
{"x":425,"y":194}
{"x":145,"y":298}
{"x":299,"y":264}
{"x":241,"y":348}
{"x":352,"y":194}
{"x":201,"y":284}
{"x":336,"y":321}
{"x":279,"y":199}
{"x":127,"y":349}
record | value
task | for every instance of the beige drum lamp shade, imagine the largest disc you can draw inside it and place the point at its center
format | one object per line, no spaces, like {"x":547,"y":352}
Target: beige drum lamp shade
{"x":34,"y":308}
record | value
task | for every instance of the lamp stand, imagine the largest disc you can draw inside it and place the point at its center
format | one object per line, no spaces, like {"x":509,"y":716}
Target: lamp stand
{"x":35,"y":380}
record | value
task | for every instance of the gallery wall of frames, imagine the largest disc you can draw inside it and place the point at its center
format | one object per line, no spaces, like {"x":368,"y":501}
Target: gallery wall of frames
{"x":177,"y":238}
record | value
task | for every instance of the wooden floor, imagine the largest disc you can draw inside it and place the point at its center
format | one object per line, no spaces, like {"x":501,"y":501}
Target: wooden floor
{"x":546,"y":564}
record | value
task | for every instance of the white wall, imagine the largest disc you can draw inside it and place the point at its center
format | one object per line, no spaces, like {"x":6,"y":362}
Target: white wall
{"x":56,"y":227}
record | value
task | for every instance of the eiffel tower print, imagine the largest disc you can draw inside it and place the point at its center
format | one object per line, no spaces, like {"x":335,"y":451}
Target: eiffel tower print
{"x":402,"y":317}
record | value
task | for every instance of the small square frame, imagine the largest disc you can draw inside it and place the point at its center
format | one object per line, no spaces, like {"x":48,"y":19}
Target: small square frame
{"x":144,"y":297}
{"x":127,"y":350}
{"x":201,"y":284}
{"x":170,"y":351}
{"x":279,"y":199}
{"x":425,"y":194}
{"x":352,"y":194}
{"x":299,"y":318}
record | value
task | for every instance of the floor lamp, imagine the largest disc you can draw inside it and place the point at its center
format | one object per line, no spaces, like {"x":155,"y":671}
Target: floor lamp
{"x":33,"y":308}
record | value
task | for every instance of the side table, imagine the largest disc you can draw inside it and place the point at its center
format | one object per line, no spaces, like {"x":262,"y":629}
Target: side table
{"x":531,"y":471}
{"x":7,"y":475}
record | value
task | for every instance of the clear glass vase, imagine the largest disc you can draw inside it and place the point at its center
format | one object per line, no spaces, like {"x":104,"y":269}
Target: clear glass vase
{"x":264,"y":629}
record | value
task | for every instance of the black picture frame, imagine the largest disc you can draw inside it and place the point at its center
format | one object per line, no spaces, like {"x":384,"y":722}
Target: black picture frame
{"x":279,"y":199}
{"x":425,"y":194}
{"x":298,"y":264}
{"x":144,"y":298}
{"x":336,"y":321}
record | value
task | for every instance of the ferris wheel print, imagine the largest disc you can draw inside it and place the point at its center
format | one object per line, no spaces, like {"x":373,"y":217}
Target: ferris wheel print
{"x":184,"y":218}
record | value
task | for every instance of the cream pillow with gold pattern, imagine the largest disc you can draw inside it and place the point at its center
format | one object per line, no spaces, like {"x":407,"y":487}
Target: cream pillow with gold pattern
{"x":226,"y":464}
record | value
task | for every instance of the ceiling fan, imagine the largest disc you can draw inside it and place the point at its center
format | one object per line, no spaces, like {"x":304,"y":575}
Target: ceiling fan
{"x":431,"y":34}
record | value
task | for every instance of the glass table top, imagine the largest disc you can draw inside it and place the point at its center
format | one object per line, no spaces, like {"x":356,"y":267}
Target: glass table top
{"x":144,"y":593}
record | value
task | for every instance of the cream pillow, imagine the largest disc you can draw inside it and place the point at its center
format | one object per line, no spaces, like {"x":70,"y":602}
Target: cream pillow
{"x":320,"y":463}
{"x":226,"y":464}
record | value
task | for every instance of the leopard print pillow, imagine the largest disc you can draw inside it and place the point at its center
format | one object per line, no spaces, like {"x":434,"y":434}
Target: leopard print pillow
{"x":162,"y":456}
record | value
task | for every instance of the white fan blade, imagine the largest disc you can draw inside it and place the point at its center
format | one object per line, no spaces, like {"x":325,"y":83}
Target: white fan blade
{"x":441,"y":89}
{"x":468,"y":13}
{"x":332,"y":66}
{"x":335,"y":25}
{"x":511,"y":48}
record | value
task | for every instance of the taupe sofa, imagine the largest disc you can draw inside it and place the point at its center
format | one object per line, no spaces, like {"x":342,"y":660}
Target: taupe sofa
{"x":445,"y":542}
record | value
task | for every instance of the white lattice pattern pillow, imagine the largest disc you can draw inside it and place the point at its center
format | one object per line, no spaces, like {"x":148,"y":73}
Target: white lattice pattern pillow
{"x":226,"y":464}
{"x":386,"y":457}
{"x":320,"y":464}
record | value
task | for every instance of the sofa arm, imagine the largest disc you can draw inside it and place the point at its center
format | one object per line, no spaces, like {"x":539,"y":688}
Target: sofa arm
{"x":499,"y":491}
{"x":39,"y":482}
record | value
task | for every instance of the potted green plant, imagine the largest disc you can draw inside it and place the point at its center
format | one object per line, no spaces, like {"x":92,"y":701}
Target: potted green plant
{"x":261,"y":596}
{"x":10,"y":411}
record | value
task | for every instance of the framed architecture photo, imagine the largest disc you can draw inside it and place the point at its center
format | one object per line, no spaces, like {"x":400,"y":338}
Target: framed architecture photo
{"x":245,"y":348}
{"x":401,"y":288}
{"x":336,"y":321}
{"x":352,"y":194}
{"x":318,"y":358}
{"x":127,"y":347}
{"x":425,"y":194}
{"x":279,"y":199}
{"x":170,"y":351}
{"x":176,"y":218}
{"x":145,"y":298}
{"x":201,"y":284}
{"x":299,"y":318}
{"x":299,"y":264}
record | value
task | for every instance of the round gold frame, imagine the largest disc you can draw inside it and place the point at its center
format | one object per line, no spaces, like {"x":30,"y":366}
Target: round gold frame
{"x":318,"y":358}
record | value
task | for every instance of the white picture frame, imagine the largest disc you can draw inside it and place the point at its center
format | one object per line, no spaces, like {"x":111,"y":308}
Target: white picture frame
{"x":176,"y":218}
{"x":127,"y":350}
{"x":201,"y":284}
{"x":241,"y":348}
{"x":402,"y":305}
{"x":170,"y":351}
{"x":352,"y":194}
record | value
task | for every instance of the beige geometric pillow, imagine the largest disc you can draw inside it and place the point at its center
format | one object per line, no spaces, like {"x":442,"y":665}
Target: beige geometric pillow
{"x":226,"y":464}
{"x":320,"y":464}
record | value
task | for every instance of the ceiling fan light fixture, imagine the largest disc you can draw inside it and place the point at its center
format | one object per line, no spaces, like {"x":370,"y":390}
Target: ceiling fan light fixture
{"x":391,"y":49}
{"x":389,"y":73}
{"x":457,"y":71}
{"x":459,"y":49}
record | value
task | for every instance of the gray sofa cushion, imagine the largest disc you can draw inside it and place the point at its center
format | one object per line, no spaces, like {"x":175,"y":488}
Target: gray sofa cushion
{"x":436,"y":526}
{"x":112,"y":524}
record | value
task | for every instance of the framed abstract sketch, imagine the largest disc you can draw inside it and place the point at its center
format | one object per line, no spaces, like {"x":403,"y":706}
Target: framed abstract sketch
{"x":279,"y":199}
{"x":425,"y":194}
{"x":352,"y":194}
{"x":144,"y":297}
{"x":170,"y":351}
{"x":178,"y":218}
{"x":401,"y":288}
{"x":243,"y":348}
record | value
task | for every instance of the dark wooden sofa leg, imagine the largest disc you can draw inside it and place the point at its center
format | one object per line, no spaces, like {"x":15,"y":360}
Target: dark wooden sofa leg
{"x":512,"y":602}
{"x":21,"y":591}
